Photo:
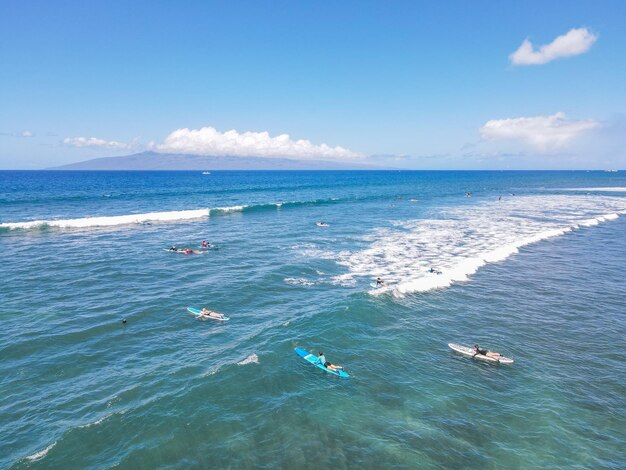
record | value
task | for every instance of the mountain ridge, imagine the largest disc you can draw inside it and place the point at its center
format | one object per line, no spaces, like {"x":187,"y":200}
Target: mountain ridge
{"x":147,"y":161}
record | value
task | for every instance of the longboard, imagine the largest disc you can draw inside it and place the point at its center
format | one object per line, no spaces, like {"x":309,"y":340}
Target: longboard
{"x":467,"y":351}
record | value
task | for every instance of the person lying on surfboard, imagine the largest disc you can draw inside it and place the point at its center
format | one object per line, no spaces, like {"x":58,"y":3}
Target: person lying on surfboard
{"x":211,"y":313}
{"x":485,"y":352}
{"x":322,"y":360}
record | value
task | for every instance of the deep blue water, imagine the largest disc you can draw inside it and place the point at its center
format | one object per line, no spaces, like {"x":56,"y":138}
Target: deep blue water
{"x":532,"y":266}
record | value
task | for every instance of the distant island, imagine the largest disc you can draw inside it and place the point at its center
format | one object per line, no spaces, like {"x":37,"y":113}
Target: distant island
{"x":164,"y":161}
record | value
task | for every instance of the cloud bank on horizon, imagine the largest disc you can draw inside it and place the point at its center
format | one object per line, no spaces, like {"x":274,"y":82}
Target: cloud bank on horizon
{"x":575,"y":42}
{"x":210,"y":141}
{"x":544,"y":133}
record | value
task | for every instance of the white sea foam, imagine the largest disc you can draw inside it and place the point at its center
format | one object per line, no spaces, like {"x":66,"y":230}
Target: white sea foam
{"x":251,"y":359}
{"x":311,"y":250}
{"x":41,"y":454}
{"x":109,"y":221}
{"x":614,"y":189}
{"x":298,"y":281}
{"x":343,"y":280}
{"x":458,"y":241}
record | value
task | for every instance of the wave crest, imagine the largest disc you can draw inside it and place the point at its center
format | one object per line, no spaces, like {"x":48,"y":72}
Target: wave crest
{"x":40,"y":454}
{"x":460,"y":240}
{"x":169,"y":216}
{"x":108,"y":221}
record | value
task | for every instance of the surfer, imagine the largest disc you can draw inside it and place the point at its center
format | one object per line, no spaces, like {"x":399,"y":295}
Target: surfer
{"x":434,"y":271}
{"x":322,"y":360}
{"x":211,"y":313}
{"x":206,"y":245}
{"x":485,"y":352}
{"x":379,"y":282}
{"x":173,"y":248}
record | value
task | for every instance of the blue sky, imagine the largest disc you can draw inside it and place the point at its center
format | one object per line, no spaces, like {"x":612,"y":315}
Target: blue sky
{"x":412,"y":84}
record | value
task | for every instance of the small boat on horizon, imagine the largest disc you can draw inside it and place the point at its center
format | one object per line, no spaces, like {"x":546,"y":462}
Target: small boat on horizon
{"x":206,"y":172}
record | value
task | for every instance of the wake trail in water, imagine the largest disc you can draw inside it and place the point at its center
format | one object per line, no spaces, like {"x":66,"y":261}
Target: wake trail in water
{"x":457,"y":242}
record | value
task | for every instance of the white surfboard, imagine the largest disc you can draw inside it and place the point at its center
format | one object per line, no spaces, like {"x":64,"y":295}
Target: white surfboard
{"x":469,"y":352}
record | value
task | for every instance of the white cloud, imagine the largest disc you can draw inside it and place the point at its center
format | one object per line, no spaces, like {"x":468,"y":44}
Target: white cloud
{"x":576,"y":41}
{"x":209,"y":141}
{"x":26,"y":134}
{"x":539,"y":132}
{"x":94,"y":142}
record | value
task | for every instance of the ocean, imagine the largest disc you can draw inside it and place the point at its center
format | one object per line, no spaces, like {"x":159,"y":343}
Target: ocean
{"x":532,"y":265}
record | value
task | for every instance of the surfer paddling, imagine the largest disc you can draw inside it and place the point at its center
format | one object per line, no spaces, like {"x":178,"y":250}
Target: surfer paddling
{"x":210,"y":313}
{"x":484,"y":352}
{"x":322,"y":360}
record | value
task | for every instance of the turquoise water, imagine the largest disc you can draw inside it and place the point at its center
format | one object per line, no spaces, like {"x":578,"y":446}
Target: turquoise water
{"x":538,"y":275}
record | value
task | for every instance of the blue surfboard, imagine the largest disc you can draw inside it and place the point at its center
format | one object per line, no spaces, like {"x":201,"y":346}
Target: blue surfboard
{"x":312,"y":358}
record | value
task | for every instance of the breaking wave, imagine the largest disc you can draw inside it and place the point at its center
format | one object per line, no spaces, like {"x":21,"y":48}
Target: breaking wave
{"x":150,"y":217}
{"x":459,"y":241}
{"x":108,"y":221}
{"x":616,"y":189}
